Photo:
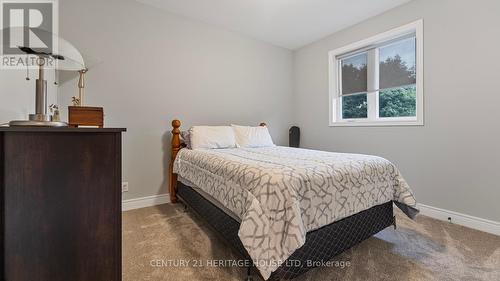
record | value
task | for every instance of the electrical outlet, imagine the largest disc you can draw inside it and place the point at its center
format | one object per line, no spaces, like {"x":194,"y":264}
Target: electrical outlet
{"x":124,"y":187}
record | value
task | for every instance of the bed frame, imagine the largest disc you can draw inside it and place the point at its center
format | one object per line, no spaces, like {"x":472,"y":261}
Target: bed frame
{"x":321,"y":245}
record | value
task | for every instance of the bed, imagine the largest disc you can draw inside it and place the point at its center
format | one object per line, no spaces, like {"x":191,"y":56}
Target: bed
{"x":287,"y":210}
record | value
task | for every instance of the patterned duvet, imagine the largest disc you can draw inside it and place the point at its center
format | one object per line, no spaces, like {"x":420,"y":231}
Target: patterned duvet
{"x":280,"y":193}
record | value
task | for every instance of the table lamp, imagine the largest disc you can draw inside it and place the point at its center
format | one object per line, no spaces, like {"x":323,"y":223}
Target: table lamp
{"x":68,"y":58}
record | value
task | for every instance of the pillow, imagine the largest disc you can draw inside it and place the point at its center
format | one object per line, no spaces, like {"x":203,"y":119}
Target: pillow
{"x":247,"y":136}
{"x":186,"y":138}
{"x":212,"y":137}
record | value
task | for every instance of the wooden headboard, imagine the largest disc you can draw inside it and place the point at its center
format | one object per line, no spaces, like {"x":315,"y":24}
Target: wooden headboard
{"x":176,"y":146}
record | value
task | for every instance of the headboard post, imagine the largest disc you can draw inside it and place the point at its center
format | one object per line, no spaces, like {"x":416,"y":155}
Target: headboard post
{"x":176,"y":146}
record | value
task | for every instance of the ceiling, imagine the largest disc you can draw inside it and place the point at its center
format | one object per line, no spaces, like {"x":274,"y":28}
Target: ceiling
{"x":286,"y":23}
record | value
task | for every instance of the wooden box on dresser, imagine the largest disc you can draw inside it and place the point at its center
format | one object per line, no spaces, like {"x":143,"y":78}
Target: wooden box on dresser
{"x":60,"y":202}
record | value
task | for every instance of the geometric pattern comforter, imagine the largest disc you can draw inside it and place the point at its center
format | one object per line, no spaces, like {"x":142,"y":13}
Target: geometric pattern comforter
{"x":281,"y":193}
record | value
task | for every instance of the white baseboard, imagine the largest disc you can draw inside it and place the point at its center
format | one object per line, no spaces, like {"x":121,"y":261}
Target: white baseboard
{"x":144,"y":202}
{"x":485,"y":225}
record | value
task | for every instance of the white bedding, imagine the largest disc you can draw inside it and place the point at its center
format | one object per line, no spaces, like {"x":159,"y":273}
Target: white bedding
{"x":281,"y":193}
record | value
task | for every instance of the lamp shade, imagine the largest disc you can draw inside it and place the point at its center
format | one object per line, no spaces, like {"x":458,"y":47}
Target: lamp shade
{"x":63,"y":54}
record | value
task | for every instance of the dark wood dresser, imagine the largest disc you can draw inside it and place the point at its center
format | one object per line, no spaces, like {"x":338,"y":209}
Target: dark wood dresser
{"x":60,"y":202}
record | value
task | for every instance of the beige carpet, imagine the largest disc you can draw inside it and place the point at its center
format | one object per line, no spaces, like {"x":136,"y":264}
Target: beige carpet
{"x":157,"y":240}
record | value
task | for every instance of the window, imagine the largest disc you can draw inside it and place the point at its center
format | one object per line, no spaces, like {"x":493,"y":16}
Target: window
{"x":378,"y":81}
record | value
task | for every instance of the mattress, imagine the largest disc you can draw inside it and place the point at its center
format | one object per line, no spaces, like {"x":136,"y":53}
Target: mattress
{"x":279,"y":193}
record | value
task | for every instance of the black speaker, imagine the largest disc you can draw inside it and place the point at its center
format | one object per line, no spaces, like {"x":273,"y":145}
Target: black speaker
{"x":294,"y":137}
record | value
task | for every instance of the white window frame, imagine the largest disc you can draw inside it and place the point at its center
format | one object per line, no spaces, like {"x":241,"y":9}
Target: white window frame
{"x":335,"y":104}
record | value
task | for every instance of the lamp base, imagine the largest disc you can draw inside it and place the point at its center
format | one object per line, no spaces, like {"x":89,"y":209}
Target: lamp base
{"x":40,"y":117}
{"x":31,"y":123}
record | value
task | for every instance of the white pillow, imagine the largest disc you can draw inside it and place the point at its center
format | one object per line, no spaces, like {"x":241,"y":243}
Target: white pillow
{"x":212,"y":137}
{"x":247,"y":136}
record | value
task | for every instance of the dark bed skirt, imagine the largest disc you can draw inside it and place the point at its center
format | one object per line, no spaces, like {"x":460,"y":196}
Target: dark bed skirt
{"x":321,"y":245}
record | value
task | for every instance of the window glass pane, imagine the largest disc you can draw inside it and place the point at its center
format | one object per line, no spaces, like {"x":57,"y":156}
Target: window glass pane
{"x":354,"y":74}
{"x":398,"y":102}
{"x":397,"y":64}
{"x":354,"y":106}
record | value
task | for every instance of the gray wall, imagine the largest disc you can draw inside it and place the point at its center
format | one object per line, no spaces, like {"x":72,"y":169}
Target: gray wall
{"x":148,"y":67}
{"x":151,"y":67}
{"x":452,"y":162}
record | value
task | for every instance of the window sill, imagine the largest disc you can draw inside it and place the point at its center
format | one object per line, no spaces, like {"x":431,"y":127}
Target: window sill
{"x":390,"y":123}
